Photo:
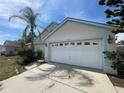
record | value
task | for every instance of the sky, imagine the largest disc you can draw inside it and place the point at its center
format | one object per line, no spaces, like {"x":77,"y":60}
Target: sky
{"x":50,"y":11}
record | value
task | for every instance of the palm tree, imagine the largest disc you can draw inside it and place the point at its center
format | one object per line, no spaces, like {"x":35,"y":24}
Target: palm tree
{"x":29,"y":16}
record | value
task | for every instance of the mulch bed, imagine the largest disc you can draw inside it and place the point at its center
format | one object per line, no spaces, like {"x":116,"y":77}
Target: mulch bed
{"x":117,"y":80}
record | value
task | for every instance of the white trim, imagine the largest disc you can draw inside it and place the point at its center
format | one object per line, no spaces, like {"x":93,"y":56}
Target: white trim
{"x":92,"y":23}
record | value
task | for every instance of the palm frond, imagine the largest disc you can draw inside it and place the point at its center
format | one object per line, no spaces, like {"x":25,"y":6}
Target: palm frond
{"x":30,"y":17}
{"x":39,"y":34}
{"x":24,"y":35}
{"x":27,"y":11}
{"x":18,"y":16}
{"x":36,"y":16}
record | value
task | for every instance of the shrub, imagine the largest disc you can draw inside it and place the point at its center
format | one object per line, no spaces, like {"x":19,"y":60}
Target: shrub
{"x":10,"y":54}
{"x":39,"y":54}
{"x":117,"y":59}
{"x":27,"y":54}
{"x":20,"y":61}
{"x":3,"y":53}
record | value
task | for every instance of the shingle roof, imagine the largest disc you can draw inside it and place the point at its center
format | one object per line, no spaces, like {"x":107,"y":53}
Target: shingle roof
{"x":11,"y":43}
{"x":48,"y":29}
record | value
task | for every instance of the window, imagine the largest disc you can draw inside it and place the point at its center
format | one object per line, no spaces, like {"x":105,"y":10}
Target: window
{"x":72,"y":43}
{"x":79,"y":43}
{"x":66,"y":44}
{"x":61,"y":44}
{"x":95,"y":43}
{"x":56,"y":44}
{"x":86,"y":43}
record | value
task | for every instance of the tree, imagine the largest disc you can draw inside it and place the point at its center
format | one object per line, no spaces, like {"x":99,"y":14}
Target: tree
{"x":115,"y":12}
{"x":121,"y":42}
{"x":29,"y":16}
{"x":28,"y":37}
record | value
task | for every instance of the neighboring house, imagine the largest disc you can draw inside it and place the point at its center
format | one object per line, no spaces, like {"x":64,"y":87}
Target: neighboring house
{"x":2,"y":49}
{"x":11,"y":47}
{"x":39,"y":44}
{"x":82,"y":43}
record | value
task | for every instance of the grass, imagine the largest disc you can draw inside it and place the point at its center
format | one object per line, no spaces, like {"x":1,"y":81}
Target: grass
{"x":8,"y":67}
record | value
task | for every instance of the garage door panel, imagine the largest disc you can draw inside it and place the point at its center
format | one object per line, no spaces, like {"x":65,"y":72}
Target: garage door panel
{"x":59,"y":54}
{"x":85,"y":58}
{"x":81,"y":55}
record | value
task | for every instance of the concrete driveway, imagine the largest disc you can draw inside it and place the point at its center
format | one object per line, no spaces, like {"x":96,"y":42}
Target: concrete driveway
{"x":58,"y":78}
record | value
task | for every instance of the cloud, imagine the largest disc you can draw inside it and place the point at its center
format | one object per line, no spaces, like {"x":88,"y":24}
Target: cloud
{"x":10,"y":7}
{"x":7,"y":36}
{"x":57,"y":10}
{"x":11,"y":25}
{"x":3,"y":34}
{"x":10,"y":30}
{"x":50,"y":10}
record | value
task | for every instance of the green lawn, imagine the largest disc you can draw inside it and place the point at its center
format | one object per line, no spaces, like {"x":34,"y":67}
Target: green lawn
{"x":8,"y":67}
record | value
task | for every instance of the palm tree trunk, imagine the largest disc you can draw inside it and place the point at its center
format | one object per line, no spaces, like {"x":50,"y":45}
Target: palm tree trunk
{"x":32,"y":39}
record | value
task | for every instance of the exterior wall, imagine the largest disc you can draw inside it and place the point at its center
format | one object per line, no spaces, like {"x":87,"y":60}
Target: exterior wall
{"x":80,"y":31}
{"x":2,"y":49}
{"x":11,"y":50}
{"x":73,"y":30}
{"x":38,"y":45}
{"x":28,"y":45}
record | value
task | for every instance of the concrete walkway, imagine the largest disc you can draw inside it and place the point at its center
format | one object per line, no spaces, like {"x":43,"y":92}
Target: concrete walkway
{"x":58,"y":78}
{"x":119,"y":89}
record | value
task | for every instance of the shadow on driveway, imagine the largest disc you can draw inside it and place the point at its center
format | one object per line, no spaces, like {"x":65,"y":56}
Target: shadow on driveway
{"x":1,"y":87}
{"x":64,"y":72}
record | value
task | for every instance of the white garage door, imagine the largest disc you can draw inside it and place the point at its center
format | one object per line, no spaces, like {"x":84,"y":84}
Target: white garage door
{"x":81,"y":53}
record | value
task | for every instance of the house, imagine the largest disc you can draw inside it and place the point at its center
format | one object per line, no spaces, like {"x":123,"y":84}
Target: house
{"x":39,"y":44}
{"x":2,"y":49}
{"x":82,"y":43}
{"x":11,"y":47}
